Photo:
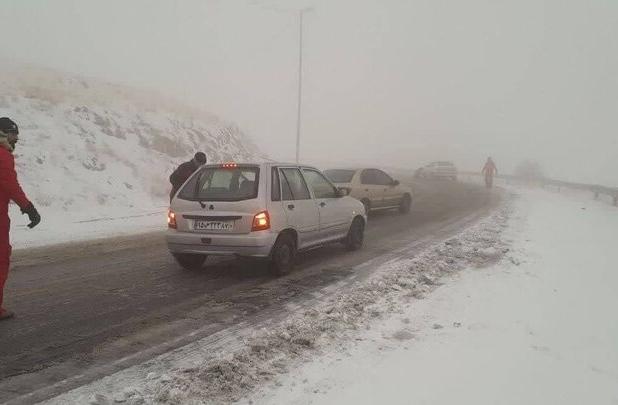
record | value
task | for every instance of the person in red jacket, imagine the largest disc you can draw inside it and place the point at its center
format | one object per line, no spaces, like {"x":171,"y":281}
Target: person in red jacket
{"x":10,"y":190}
{"x":489,"y":170}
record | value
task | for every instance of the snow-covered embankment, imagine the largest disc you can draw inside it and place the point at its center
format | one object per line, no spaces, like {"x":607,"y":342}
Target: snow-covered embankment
{"x":539,"y":327}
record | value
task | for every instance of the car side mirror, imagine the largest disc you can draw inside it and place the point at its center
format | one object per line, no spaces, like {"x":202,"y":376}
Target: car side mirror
{"x":342,"y":192}
{"x":395,"y":183}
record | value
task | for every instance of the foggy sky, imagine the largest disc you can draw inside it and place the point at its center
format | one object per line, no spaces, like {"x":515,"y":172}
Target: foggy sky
{"x":387,"y":83}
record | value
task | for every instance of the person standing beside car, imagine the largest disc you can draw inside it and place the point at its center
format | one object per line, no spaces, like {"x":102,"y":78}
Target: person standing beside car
{"x":10,"y":190}
{"x":184,"y":171}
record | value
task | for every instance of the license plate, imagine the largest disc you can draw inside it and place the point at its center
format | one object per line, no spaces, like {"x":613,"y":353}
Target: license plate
{"x":213,"y":225}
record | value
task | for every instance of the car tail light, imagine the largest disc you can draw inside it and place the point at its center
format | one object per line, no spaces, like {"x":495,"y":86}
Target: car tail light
{"x":229,"y":165}
{"x":171,"y":219}
{"x":261,"y":222}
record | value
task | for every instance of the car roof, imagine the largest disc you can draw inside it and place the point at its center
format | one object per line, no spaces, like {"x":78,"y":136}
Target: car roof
{"x":358,"y":169}
{"x":441,"y":163}
{"x":218,"y":164}
{"x":343,"y":168}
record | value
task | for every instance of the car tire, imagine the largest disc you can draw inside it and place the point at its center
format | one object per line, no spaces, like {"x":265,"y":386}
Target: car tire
{"x":405,"y":204}
{"x":283,"y":255}
{"x":367,"y":205}
{"x":356,"y":235}
{"x":190,"y":261}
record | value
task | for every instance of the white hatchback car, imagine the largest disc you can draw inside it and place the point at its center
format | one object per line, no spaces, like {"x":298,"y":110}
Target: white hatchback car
{"x":265,"y":210}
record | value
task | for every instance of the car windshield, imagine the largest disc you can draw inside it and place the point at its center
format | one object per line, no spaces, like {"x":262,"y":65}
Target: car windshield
{"x":222,"y":184}
{"x":339,"y":175}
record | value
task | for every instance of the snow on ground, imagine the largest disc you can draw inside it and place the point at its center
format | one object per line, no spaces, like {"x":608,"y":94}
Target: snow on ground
{"x":519,"y":308}
{"x":94,"y":151}
{"x":60,"y":227}
{"x":540,"y":327}
{"x":225,"y":368}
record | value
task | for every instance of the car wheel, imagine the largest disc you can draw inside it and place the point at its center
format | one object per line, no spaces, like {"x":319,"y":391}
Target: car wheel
{"x":356,"y":235}
{"x":283,"y":255}
{"x":367,"y":205}
{"x":406,"y":204}
{"x":190,"y":261}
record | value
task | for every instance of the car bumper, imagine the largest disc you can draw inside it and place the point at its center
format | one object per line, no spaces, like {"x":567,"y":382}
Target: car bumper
{"x":255,"y":244}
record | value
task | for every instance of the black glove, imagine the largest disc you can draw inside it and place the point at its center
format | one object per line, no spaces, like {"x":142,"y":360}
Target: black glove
{"x":33,"y":214}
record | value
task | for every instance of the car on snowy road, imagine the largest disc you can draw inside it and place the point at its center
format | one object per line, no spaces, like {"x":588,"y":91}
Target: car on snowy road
{"x":438,"y":170}
{"x":374,"y":188}
{"x":267,"y":210}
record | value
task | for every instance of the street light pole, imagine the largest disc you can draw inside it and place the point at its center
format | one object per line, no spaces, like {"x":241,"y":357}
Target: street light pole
{"x":300,"y":81}
{"x":301,"y":15}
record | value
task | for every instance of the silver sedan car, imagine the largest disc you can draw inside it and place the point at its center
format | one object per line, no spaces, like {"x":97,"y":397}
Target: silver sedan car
{"x":374,"y":188}
{"x":265,"y":210}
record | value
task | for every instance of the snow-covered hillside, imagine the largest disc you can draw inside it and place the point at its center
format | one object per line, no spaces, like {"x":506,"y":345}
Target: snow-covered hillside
{"x":93,"y":149}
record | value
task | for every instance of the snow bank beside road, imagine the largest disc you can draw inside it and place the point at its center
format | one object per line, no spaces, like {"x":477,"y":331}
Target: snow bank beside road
{"x":62,"y":227}
{"x":538,"y":328}
{"x":94,"y":151}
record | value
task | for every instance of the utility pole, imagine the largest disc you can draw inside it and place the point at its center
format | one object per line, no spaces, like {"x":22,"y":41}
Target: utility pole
{"x":301,"y":15}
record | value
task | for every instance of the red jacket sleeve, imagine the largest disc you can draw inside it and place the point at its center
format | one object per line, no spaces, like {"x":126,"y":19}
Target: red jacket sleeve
{"x":8,"y":180}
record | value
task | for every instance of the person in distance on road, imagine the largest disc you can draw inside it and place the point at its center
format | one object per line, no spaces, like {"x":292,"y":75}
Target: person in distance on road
{"x":10,"y":190}
{"x":489,"y":170}
{"x":184,"y":171}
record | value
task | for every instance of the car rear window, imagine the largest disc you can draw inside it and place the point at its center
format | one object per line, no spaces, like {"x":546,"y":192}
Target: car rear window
{"x":222,"y":184}
{"x":340,"y":175}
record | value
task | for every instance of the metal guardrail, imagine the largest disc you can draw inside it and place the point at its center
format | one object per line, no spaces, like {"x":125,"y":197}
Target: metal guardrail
{"x":596,"y":190}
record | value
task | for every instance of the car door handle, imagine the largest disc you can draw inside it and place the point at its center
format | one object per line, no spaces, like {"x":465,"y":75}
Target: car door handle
{"x":322,"y":204}
{"x":291,"y":207}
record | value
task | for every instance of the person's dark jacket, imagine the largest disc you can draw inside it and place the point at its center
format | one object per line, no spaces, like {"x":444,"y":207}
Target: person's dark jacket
{"x":181,"y":174}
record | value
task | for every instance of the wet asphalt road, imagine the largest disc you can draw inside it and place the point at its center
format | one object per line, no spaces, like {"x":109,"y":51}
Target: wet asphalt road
{"x":82,"y":306}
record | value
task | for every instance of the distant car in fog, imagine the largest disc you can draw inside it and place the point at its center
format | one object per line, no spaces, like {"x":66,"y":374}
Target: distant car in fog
{"x":374,"y":188}
{"x":438,"y":170}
